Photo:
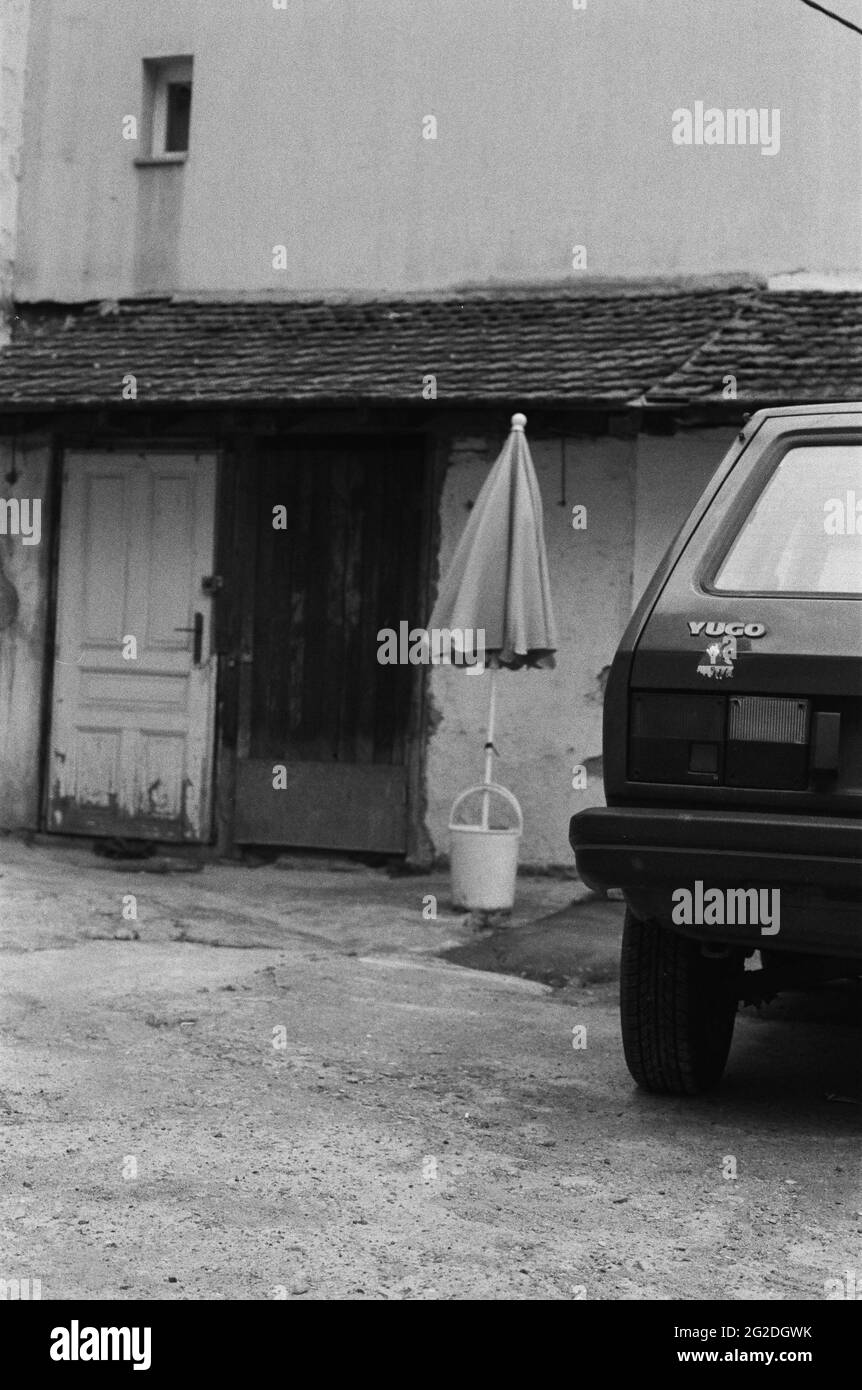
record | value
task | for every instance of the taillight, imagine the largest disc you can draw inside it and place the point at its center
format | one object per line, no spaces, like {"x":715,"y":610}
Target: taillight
{"x":676,"y":738}
{"x":767,"y":742}
{"x":718,"y":740}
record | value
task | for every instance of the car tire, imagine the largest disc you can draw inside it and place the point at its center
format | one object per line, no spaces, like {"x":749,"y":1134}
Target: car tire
{"x":677,"y":1009}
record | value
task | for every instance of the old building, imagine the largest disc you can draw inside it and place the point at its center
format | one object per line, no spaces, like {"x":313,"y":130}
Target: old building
{"x":269,"y":329}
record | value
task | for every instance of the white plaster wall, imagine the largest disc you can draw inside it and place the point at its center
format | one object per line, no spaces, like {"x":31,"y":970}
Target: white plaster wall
{"x":547,"y":721}
{"x":637,"y":495}
{"x":672,"y":472}
{"x":22,"y":642}
{"x":14,"y":18}
{"x":554,"y":130}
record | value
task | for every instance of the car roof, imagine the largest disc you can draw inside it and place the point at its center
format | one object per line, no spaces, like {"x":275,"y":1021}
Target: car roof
{"x":827,"y":408}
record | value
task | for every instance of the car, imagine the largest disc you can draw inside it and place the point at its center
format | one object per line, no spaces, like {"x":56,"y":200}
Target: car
{"x":732,"y":750}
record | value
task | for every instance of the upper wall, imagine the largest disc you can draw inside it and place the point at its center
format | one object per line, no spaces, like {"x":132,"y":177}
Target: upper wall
{"x":554,"y":130}
{"x":14,"y":19}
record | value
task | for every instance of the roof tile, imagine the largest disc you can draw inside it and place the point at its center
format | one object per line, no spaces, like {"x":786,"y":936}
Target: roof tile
{"x":612,"y":348}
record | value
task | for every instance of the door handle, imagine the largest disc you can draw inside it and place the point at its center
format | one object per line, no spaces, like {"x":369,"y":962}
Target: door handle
{"x":198,"y":643}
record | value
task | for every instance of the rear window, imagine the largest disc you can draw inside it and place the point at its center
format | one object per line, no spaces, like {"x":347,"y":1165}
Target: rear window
{"x":804,"y":532}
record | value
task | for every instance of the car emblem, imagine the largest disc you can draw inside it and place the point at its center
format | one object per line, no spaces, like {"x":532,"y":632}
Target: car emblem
{"x":712,"y":629}
{"x":717,"y":661}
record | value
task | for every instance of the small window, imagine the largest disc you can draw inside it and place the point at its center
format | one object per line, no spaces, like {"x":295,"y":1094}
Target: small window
{"x":178,"y":118}
{"x":168,"y":98}
{"x":803,"y":534}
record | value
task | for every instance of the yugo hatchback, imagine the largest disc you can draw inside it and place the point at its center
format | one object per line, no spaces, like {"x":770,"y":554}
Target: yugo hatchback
{"x":733,"y":750}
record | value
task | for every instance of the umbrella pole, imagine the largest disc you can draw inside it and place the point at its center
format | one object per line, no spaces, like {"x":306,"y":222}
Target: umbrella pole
{"x":489,"y":745}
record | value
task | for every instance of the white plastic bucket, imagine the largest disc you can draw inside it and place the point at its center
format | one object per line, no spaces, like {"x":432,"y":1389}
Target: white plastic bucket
{"x":484,"y":862}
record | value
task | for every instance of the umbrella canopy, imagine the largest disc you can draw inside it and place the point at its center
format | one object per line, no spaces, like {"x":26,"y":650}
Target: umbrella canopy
{"x":498,"y":579}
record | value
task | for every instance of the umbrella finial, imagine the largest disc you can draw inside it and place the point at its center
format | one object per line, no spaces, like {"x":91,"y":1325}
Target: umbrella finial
{"x":518,"y":421}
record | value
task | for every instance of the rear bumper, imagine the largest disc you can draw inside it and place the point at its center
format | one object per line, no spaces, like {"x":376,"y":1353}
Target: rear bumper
{"x":815,"y":862}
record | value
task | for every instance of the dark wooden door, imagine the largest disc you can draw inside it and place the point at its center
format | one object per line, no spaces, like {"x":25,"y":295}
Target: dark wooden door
{"x":345,"y":565}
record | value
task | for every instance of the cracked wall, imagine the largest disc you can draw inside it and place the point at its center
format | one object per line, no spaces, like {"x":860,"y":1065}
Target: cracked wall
{"x":637,"y":493}
{"x":24,"y":589}
{"x":547,"y":721}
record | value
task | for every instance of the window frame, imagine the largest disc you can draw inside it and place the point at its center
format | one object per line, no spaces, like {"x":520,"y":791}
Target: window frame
{"x":740,"y":509}
{"x":159,"y":74}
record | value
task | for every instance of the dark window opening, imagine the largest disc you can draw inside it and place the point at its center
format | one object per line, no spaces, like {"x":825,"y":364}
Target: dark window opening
{"x":178,"y":117}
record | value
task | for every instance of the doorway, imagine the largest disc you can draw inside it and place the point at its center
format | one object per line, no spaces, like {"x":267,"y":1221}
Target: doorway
{"x":327,"y":727}
{"x":134,"y":677}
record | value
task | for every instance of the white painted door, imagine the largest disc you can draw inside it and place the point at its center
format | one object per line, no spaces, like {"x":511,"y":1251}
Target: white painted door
{"x":131,"y":736}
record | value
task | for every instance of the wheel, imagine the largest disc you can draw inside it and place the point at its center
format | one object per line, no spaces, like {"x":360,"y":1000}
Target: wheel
{"x":677,"y":1009}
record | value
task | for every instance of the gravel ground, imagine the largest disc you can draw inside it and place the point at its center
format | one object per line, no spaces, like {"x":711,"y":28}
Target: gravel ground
{"x":270,"y":1085}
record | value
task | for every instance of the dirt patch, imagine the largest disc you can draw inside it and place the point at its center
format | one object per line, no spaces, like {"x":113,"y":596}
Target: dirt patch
{"x":579,"y":945}
{"x":159,"y":864}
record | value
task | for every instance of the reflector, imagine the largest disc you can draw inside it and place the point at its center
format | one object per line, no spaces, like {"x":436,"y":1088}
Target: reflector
{"x":768,"y":719}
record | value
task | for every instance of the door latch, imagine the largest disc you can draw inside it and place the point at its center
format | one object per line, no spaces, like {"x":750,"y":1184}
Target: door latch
{"x":198,"y":643}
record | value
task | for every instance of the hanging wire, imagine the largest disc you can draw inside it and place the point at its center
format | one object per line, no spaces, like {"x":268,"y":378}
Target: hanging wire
{"x":848,"y":23}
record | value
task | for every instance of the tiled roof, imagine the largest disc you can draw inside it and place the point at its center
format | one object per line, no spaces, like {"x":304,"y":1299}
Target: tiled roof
{"x":781,"y":348}
{"x":610,"y":347}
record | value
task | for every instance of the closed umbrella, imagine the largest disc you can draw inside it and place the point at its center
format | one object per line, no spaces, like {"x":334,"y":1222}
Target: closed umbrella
{"x":498,"y":579}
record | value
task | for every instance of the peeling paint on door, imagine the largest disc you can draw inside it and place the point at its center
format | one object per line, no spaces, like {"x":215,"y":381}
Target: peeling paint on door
{"x":131,"y":738}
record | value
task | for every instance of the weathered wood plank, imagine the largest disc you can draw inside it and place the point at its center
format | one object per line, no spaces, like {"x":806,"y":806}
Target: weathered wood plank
{"x":346,"y":565}
{"x":320,"y":808}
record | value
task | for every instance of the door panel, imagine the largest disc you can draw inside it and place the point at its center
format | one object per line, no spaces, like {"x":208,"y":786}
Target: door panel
{"x":131,"y":733}
{"x":323,"y":806}
{"x":321,"y":704}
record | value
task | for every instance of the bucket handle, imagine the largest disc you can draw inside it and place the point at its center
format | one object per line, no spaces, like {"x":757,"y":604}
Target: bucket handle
{"x":488,"y":787}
